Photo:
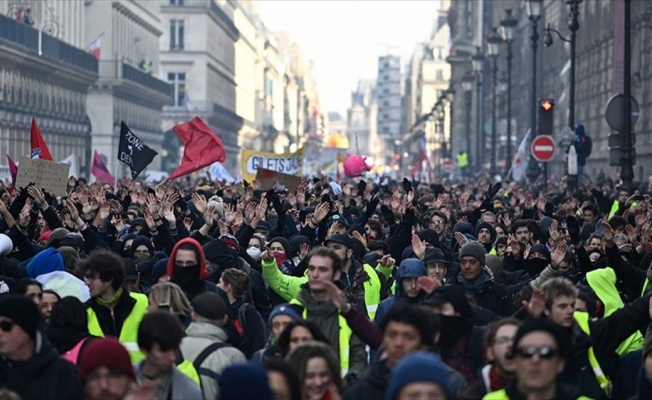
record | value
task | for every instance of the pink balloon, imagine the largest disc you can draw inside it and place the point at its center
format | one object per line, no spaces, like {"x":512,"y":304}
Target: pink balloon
{"x":355,"y":166}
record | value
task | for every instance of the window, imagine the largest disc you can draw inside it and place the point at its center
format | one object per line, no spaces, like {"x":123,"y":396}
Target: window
{"x":178,"y":82}
{"x":176,"y":34}
{"x":440,"y":75}
{"x":176,"y":2}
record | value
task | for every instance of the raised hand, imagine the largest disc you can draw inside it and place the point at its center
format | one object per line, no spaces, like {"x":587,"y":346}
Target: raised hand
{"x":168,"y":213}
{"x":304,"y":249}
{"x":357,"y":235}
{"x":74,"y":214}
{"x":336,"y":295}
{"x":536,"y":305}
{"x":36,"y":194}
{"x":321,"y":212}
{"x":208,"y":216}
{"x":554,"y":231}
{"x":461,"y":239}
{"x":149,"y":219}
{"x":607,"y":232}
{"x":557,"y":256}
{"x":200,"y":203}
{"x":222,"y":226}
{"x":153,"y":204}
{"x":267,"y":255}
{"x":187,"y":222}
{"x":427,"y":284}
{"x":387,"y":261}
{"x":239,"y":218}
{"x":105,"y":211}
{"x":261,"y":209}
{"x":631,"y":234}
{"x":229,"y":213}
{"x":418,"y":246}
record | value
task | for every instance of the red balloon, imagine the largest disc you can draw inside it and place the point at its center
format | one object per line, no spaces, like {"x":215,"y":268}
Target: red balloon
{"x":355,"y":166}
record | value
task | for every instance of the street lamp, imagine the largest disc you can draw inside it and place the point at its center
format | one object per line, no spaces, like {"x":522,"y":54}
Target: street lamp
{"x":477,"y":60}
{"x":508,"y":24}
{"x":501,"y":84}
{"x":494,"y":40}
{"x":467,"y":86}
{"x":573,"y":26}
{"x":534,"y":14}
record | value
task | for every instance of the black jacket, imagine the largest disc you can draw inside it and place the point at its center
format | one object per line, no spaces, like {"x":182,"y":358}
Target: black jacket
{"x":44,"y":376}
{"x":372,"y":386}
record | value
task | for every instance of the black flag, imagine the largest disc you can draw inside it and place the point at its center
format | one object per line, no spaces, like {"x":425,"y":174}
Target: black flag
{"x":133,"y":151}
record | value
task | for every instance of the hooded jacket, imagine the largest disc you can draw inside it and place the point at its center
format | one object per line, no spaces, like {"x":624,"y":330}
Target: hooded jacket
{"x":200,"y":336}
{"x":48,"y":260}
{"x":200,"y":284}
{"x":409,"y":268}
{"x":44,"y":376}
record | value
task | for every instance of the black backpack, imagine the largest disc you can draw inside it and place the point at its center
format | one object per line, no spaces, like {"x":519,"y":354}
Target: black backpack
{"x":241,"y":327}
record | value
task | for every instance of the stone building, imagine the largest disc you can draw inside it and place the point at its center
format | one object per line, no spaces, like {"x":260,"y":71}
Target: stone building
{"x":43,"y":74}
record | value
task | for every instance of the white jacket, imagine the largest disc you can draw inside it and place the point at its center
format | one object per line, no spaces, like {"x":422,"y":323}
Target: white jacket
{"x":199,"y":336}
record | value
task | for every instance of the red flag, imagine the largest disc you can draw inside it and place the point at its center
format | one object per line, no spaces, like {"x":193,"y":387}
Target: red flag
{"x":100,"y":171}
{"x":96,"y":47}
{"x":39,"y":148}
{"x":13,"y":170}
{"x":203,"y":147}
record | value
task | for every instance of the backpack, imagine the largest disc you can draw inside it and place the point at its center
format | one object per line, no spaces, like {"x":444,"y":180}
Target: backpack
{"x":203,"y":356}
{"x":240,"y":324}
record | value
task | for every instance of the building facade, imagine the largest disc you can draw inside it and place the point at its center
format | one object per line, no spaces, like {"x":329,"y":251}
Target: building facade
{"x":127,"y":89}
{"x":43,"y":74}
{"x":389,"y":101}
{"x":362,"y":121}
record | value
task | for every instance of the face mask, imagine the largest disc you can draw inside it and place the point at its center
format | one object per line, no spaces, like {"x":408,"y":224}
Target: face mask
{"x":140,"y":257}
{"x":280,"y":258}
{"x":186,"y":276}
{"x":254,"y":252}
{"x":534,"y":266}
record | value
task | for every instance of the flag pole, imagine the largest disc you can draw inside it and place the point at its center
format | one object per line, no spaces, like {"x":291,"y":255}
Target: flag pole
{"x":115,"y":179}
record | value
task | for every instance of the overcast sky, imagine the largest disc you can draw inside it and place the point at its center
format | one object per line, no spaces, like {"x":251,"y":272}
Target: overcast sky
{"x":345,"y":37}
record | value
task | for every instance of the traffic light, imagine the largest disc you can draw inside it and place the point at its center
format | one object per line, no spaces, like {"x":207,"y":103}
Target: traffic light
{"x":546,"y":112}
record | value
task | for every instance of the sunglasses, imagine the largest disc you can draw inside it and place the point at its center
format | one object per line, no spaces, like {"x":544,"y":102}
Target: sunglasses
{"x":544,"y":352}
{"x":6,"y":326}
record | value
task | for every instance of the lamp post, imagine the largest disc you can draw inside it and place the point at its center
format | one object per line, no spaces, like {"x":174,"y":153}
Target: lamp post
{"x":467,"y":86}
{"x":478,"y":63}
{"x":501,"y":84}
{"x":508,"y":24}
{"x":573,"y":26}
{"x":494,"y":42}
{"x":450,"y":96}
{"x":534,"y":13}
{"x":439,"y":130}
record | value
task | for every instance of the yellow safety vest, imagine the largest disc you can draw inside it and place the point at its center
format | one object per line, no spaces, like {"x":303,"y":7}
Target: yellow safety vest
{"x":502,"y":395}
{"x":372,"y":288}
{"x":463,"y":160}
{"x":344,"y":339}
{"x":582,"y":319}
{"x":188,"y":369}
{"x":129,"y":333}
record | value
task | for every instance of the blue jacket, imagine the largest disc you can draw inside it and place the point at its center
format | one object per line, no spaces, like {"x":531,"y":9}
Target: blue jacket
{"x":409,"y":268}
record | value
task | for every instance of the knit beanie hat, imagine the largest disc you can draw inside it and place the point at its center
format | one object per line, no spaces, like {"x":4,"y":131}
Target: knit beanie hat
{"x":22,"y":311}
{"x":475,"y":250}
{"x":48,"y":260}
{"x":105,"y":352}
{"x":283,"y":309}
{"x":159,"y":269}
{"x":245,"y":382}
{"x":417,"y":367}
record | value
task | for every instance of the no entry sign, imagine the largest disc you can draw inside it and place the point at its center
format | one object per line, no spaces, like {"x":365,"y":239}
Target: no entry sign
{"x":543,"y":148}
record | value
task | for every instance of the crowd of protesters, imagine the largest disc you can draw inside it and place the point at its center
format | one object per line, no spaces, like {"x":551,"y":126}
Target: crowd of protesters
{"x":196,"y":289}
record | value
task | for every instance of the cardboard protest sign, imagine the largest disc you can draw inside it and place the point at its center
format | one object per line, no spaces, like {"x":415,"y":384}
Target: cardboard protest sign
{"x":269,"y":178}
{"x":48,"y":175}
{"x":287,"y":163}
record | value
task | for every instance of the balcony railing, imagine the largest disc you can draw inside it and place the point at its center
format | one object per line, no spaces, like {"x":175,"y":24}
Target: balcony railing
{"x":25,"y":36}
{"x":116,"y":69}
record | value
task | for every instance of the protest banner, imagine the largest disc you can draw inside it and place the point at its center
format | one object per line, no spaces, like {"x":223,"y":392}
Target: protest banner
{"x":45,"y":174}
{"x":269,"y":178}
{"x":287,"y":163}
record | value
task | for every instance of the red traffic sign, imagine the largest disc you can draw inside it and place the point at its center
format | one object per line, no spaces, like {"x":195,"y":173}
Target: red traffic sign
{"x":543,"y":148}
{"x":449,"y":166}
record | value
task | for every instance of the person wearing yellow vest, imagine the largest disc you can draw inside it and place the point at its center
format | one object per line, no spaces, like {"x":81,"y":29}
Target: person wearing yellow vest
{"x":312,"y":302}
{"x":463,"y":162}
{"x":622,"y":202}
{"x":159,"y":338}
{"x":595,"y":359}
{"x":538,"y":352}
{"x":361,"y":281}
{"x":112,"y":311}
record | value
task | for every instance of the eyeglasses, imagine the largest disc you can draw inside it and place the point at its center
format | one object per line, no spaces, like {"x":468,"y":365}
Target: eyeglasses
{"x":503,"y":340}
{"x":544,"y":352}
{"x":6,"y":326}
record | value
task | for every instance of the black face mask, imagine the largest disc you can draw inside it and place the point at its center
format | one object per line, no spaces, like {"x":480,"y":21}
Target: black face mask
{"x":141,"y":257}
{"x":534,"y":266}
{"x":186,"y":276}
{"x":452,"y":329}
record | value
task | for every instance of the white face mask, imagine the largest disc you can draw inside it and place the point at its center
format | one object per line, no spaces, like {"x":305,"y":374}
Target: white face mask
{"x":254,"y":252}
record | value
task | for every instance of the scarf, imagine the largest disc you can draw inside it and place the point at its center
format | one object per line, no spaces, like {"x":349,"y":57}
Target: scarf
{"x":497,"y":379}
{"x":477,"y":285}
{"x":110,"y":303}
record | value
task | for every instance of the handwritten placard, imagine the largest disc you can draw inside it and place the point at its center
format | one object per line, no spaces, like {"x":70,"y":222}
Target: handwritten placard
{"x":269,"y":178}
{"x":45,"y":174}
